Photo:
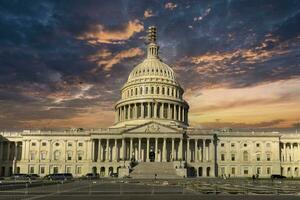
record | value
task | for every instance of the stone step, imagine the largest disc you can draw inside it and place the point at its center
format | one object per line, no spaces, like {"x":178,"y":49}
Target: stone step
{"x":149,"y":169}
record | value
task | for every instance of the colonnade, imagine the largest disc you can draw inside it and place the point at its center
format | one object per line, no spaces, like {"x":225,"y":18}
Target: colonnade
{"x":9,"y":150}
{"x":290,"y":151}
{"x":153,"y":149}
{"x":159,"y":110}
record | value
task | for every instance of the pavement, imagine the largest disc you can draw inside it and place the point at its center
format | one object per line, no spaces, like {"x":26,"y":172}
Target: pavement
{"x":150,"y":189}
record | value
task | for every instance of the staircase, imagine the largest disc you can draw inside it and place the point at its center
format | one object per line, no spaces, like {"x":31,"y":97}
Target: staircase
{"x":147,"y":170}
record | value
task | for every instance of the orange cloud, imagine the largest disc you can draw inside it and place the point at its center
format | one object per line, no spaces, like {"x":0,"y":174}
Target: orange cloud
{"x":250,"y":105}
{"x":170,"y":6}
{"x":101,"y":35}
{"x":105,"y":61}
{"x":148,"y":13}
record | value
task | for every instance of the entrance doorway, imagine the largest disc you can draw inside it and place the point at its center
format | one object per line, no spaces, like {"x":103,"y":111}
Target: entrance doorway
{"x":151,"y":156}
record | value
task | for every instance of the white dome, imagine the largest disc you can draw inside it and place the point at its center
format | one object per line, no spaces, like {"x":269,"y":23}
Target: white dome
{"x":151,"y":93}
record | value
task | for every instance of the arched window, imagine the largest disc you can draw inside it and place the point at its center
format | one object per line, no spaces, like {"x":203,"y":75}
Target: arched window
{"x":163,"y":90}
{"x":56,"y":155}
{"x":146,"y":92}
{"x":141,"y":90}
{"x":157,"y":91}
{"x":245,"y":156}
{"x":136,"y":91}
{"x":152,"y":90}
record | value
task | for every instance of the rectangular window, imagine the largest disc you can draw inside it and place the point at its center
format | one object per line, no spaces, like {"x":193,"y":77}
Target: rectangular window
{"x":232,"y":157}
{"x":42,"y":170}
{"x":268,"y":157}
{"x":31,"y":170}
{"x":33,"y":144}
{"x":233,"y":170}
{"x":69,"y":144}
{"x":78,"y":170}
{"x":79,"y":157}
{"x":80,"y":144}
{"x":222,"y":144}
{"x":222,"y":157}
{"x":257,"y":145}
{"x":246,"y":171}
{"x":44,"y":144}
{"x":232,"y":145}
{"x":268,"y":170}
{"x":258,"y":170}
{"x":69,"y":157}
{"x":43,"y":156}
{"x":69,"y":170}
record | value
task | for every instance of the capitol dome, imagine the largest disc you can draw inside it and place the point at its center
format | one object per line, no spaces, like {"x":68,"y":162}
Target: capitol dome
{"x":151,"y":92}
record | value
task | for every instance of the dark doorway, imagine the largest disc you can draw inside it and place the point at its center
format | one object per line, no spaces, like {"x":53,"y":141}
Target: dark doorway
{"x":152,"y":156}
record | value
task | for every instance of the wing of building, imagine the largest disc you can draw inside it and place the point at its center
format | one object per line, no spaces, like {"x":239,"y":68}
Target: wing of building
{"x":151,"y":136}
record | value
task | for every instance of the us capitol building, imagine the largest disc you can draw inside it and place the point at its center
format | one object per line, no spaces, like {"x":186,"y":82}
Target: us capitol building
{"x":151,"y":135}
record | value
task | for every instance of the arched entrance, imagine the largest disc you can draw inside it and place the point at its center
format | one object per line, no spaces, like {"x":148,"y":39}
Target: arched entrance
{"x":200,"y":171}
{"x":94,"y":170}
{"x":102,"y":171}
{"x":208,"y":171}
{"x":110,"y":170}
{"x":152,"y":156}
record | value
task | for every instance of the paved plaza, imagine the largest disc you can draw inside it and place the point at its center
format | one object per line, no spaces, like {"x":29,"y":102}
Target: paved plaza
{"x":159,"y":189}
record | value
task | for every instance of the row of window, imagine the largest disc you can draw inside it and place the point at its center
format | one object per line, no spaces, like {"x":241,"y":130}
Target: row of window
{"x":258,"y":145}
{"x":80,"y":144}
{"x":245,"y":171}
{"x":173,"y":92}
{"x":57,"y":155}
{"x":55,"y":170}
{"x":156,"y":71}
{"x":245,"y":157}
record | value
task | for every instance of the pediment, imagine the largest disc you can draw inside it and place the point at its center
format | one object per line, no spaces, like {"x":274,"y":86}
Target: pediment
{"x":152,"y":127}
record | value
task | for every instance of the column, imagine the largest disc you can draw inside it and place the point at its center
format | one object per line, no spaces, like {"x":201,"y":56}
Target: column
{"x":65,"y":150}
{"x":107,"y":150}
{"x":180,"y":149}
{"x":284,"y":152}
{"x":142,"y":110}
{"x":131,"y":149}
{"x":211,"y":150}
{"x":99,"y":150}
{"x":8,"y":151}
{"x":128,"y":111}
{"x":188,"y":150}
{"x":164,"y":150}
{"x":183,"y":113}
{"x":49,"y":150}
{"x":169,"y":111}
{"x":175,"y":112}
{"x":148,"y":110}
{"x":123,"y":153}
{"x":155,"y":110}
{"x":139,"y":154}
{"x":135,"y":111}
{"x":156,"y":149}
{"x":172,"y":151}
{"x":92,"y":150}
{"x":196,"y":150}
{"x":203,"y":150}
{"x":162,"y":110}
{"x":1,"y":150}
{"x":16,"y":151}
{"x":115,"y":150}
{"x":148,"y":150}
{"x":179,"y":113}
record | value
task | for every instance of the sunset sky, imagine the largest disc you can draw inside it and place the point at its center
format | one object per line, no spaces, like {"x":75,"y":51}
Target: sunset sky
{"x":62,"y":63}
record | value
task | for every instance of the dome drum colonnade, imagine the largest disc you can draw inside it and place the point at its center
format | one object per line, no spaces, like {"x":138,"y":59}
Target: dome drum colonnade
{"x":152,"y":92}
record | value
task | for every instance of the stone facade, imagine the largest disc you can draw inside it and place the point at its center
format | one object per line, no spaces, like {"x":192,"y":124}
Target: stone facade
{"x":151,"y":125}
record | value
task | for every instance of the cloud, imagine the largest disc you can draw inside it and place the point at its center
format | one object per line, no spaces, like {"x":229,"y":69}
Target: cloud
{"x":100,"y":34}
{"x":170,"y":6}
{"x":105,"y":61}
{"x":148,"y":13}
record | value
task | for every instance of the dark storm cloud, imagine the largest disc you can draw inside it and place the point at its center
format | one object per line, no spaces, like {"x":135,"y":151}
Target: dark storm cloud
{"x":46,"y":65}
